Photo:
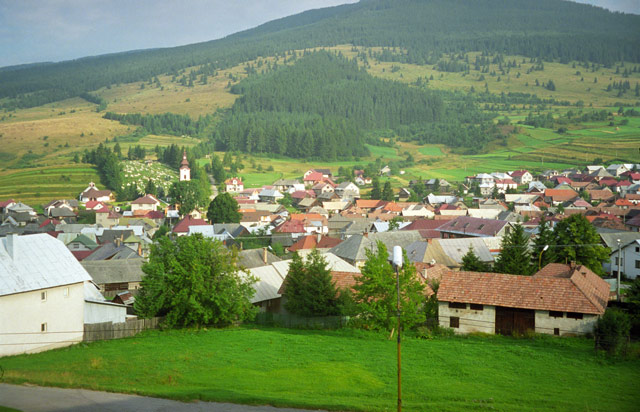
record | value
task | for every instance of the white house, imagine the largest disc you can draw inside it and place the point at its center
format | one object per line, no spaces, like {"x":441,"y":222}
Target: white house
{"x":233,"y":185}
{"x":145,"y":203}
{"x":92,"y":193}
{"x":46,"y":296}
{"x":522,"y":177}
{"x":347,"y":190}
{"x":630,"y":262}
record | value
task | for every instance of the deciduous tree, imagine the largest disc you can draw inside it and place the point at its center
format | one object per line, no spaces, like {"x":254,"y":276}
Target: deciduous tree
{"x":223,"y":209}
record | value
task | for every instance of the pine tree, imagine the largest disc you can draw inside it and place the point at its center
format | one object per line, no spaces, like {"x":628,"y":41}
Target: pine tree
{"x":515,"y":257}
{"x":309,"y":289}
{"x":472,"y":263}
{"x":387,"y":192}
{"x":375,"y":189}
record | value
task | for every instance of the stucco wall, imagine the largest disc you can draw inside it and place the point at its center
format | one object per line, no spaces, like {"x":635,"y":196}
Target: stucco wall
{"x":100,"y":312}
{"x":22,"y":315}
{"x":470,"y":320}
{"x":566,"y":326}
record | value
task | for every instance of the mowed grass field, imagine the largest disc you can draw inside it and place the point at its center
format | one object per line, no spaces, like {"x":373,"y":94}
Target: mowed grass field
{"x":343,"y":370}
{"x":40,"y":185}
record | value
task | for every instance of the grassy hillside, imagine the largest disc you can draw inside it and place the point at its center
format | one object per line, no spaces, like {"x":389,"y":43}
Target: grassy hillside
{"x":299,"y":368}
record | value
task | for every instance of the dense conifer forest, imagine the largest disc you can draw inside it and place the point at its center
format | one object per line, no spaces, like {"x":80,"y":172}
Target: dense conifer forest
{"x":415,"y":31}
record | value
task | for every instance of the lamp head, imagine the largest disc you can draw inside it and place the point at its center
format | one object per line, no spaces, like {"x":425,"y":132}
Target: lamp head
{"x":397,"y":257}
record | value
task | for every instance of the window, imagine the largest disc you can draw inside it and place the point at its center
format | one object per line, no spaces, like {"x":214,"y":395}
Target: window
{"x":574,"y":315}
{"x":555,"y":314}
{"x":43,"y":296}
{"x":637,"y":264}
{"x":476,"y":306}
{"x":65,"y":292}
{"x":637,"y":249}
{"x":43,"y":327}
{"x":556,"y":331}
{"x":457,"y":305}
{"x":454,"y":322}
{"x":621,"y":262}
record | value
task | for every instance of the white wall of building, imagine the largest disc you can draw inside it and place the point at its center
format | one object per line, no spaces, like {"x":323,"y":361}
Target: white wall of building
{"x":469,"y":320}
{"x":565,"y":325}
{"x":104,"y":312}
{"x":61,"y":312}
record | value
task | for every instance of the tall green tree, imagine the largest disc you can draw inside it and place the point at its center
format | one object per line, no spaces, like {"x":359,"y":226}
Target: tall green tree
{"x":375,"y":189}
{"x":515,"y":257}
{"x":309,"y":289}
{"x":387,"y":192}
{"x":217,"y":170}
{"x":194,"y":281}
{"x":186,"y":194}
{"x":224,"y":209}
{"x":472,"y":263}
{"x":376,"y":292}
{"x":579,"y":242}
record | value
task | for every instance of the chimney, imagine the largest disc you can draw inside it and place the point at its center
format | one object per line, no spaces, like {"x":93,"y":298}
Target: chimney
{"x":9,"y":244}
{"x":264,"y":255}
{"x":318,"y":238}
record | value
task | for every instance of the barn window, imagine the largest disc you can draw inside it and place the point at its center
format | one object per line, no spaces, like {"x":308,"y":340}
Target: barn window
{"x":43,"y":296}
{"x":555,"y":314}
{"x":476,"y":306}
{"x":457,"y":305}
{"x":637,"y":264}
{"x":454,"y":322}
{"x":43,"y":327}
{"x":574,"y":315}
{"x":556,"y":331}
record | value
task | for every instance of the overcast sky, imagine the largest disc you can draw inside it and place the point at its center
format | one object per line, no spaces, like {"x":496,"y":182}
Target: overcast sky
{"x":55,"y":30}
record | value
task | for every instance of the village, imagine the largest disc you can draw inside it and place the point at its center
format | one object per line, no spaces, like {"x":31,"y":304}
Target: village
{"x":65,"y":275}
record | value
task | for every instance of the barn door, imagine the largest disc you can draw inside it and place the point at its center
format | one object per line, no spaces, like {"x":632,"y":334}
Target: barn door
{"x":510,"y":320}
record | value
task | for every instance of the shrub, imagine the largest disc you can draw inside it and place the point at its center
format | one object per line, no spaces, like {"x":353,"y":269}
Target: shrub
{"x":612,"y":332}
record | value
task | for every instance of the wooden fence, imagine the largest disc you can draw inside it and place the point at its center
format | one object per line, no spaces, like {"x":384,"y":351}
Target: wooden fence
{"x":109,"y":330}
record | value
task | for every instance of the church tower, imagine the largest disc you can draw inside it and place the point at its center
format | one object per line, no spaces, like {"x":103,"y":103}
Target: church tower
{"x":185,"y":171}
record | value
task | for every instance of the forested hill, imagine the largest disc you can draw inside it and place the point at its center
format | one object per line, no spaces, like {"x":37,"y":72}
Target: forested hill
{"x":421,"y":30}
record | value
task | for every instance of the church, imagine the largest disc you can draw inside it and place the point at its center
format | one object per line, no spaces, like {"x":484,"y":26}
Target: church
{"x":185,"y":171}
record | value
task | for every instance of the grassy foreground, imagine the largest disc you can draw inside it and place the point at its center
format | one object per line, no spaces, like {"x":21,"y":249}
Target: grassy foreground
{"x":342,"y":370}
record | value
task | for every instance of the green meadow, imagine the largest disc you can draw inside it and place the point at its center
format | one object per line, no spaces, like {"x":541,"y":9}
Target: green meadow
{"x":299,"y":368}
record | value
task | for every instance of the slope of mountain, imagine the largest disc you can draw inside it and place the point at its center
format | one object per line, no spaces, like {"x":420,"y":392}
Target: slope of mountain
{"x":421,"y":30}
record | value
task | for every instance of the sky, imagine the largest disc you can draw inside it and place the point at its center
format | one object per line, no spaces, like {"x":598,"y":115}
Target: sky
{"x":56,"y":30}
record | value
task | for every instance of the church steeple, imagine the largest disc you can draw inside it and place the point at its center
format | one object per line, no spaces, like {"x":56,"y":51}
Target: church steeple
{"x":185,"y":171}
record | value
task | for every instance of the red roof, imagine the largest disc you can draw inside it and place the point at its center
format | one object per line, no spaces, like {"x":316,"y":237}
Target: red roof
{"x":581,"y":291}
{"x":155,"y":214}
{"x":313,"y":177}
{"x":52,"y":221}
{"x":233,"y":181}
{"x":291,"y":226}
{"x":7,"y":203}
{"x":145,"y":200}
{"x":183,"y":225}
{"x":623,"y":202}
{"x":623,"y":183}
{"x":92,"y":204}
{"x":369,"y":203}
{"x":424,"y":224}
{"x":103,"y":209}
{"x":310,"y":242}
{"x":519,"y":173}
{"x":81,"y":254}
{"x":560,"y":195}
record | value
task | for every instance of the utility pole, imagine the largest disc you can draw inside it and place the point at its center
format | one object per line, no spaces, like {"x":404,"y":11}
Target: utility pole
{"x":397,"y":264}
{"x":618,"y":277}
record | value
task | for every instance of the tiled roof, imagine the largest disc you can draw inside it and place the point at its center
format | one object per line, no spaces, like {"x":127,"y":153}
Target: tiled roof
{"x":519,"y":173}
{"x":582,"y":292}
{"x":291,"y":226}
{"x":473,"y":226}
{"x":310,"y":242}
{"x":183,"y":225}
{"x":7,"y":203}
{"x":314,"y":176}
{"x":605,"y":194}
{"x":424,"y":224}
{"x":560,"y":195}
{"x":369,"y":203}
{"x":145,"y":200}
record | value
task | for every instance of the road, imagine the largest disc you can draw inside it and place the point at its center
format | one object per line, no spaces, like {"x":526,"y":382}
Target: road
{"x":29,"y":398}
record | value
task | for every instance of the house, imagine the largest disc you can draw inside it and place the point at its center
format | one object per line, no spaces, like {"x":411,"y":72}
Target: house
{"x":385,"y":171}
{"x":54,"y":296}
{"x":522,"y":177}
{"x":466,"y":226}
{"x":80,"y":243}
{"x":306,"y":244}
{"x":505,"y":184}
{"x":630,"y":262}
{"x":353,"y":249}
{"x":311,"y":178}
{"x":288,"y":185}
{"x":92,"y":193}
{"x":558,"y":300}
{"x":323,"y":187}
{"x":417,"y":210}
{"x":233,"y":185}
{"x":604,"y":195}
{"x":145,"y":203}
{"x":114,"y":276}
{"x":347,"y":190}
{"x":270,"y":195}
{"x":617,"y":169}
{"x":325,"y":173}
{"x":182,"y":227}
{"x":449,"y":252}
{"x":559,"y":196}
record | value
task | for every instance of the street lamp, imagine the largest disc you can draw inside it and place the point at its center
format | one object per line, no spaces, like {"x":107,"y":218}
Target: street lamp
{"x":544,"y":249}
{"x":397,"y":264}
{"x":618,"y":277}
